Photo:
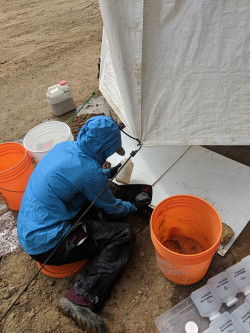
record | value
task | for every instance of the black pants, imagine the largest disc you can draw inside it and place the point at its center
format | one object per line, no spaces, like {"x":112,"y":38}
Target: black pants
{"x":109,"y":244}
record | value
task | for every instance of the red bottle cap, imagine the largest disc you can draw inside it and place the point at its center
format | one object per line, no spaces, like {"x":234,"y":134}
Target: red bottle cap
{"x":62,"y":82}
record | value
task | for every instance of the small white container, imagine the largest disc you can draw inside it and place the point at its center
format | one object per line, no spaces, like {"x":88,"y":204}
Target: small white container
{"x":225,"y":324}
{"x":40,"y":139}
{"x":240,"y":277}
{"x":206,"y":303}
{"x":125,"y":174}
{"x":246,"y":260}
{"x":242,"y":316}
{"x":248,"y":269}
{"x":209,"y":330}
{"x":60,"y":99}
{"x":223,"y":288}
{"x":247,"y":299}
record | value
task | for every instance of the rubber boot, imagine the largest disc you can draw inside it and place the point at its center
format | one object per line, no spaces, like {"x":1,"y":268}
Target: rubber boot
{"x":81,"y":310}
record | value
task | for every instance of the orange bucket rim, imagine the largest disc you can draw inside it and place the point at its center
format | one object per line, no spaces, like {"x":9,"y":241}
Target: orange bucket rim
{"x":188,"y":258}
{"x":76,"y":267}
{"x":21,"y":161}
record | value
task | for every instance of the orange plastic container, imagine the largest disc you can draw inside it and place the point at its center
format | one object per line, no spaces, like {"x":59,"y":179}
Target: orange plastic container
{"x":185,"y":216}
{"x":15,"y":170}
{"x":62,"y":271}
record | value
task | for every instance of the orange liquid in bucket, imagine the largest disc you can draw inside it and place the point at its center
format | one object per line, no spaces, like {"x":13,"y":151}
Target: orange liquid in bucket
{"x":15,"y":170}
{"x":186,"y":232}
{"x":184,"y":245}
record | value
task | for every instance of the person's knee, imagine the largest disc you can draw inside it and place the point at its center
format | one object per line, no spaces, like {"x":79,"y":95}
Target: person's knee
{"x":129,"y":234}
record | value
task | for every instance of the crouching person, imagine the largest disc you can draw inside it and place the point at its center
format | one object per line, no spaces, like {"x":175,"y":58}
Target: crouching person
{"x":67,"y":177}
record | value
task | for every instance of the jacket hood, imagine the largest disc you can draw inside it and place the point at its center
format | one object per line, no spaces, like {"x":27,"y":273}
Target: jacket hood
{"x":99,"y":138}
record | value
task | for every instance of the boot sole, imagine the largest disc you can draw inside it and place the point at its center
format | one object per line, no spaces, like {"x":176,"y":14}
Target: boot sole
{"x":71,"y":310}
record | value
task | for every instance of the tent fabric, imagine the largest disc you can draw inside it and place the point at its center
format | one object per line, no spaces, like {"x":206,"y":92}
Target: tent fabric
{"x":177,"y":72}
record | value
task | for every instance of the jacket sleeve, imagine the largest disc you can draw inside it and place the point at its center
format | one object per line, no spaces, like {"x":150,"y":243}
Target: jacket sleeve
{"x":107,"y":173}
{"x":112,"y":206}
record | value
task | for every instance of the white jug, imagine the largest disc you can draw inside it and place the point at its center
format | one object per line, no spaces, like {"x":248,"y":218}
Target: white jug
{"x":60,"y":99}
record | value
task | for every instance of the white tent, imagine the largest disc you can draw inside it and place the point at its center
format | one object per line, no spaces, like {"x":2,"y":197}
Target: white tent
{"x":178,"y":71}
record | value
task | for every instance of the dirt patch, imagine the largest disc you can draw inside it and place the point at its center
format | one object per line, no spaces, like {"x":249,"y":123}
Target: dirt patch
{"x":43,"y":42}
{"x":239,"y":154}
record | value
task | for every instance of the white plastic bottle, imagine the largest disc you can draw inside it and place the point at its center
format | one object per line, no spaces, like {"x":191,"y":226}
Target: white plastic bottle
{"x":246,"y":261}
{"x":209,"y":330}
{"x":60,"y":99}
{"x":125,"y":174}
{"x":240,"y":277}
{"x":223,"y":288}
{"x":248,"y":269}
{"x":247,"y":299}
{"x":225,"y":324}
{"x":242,"y":316}
{"x":206,"y":303}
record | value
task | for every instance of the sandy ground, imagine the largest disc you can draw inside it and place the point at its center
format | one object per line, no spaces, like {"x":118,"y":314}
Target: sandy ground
{"x":43,"y":42}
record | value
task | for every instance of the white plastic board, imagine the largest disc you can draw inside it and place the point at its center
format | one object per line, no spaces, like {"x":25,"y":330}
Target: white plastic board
{"x":150,"y":163}
{"x":221,"y":181}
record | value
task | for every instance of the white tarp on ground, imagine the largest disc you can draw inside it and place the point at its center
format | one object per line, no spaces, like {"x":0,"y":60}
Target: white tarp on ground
{"x":178,"y":72}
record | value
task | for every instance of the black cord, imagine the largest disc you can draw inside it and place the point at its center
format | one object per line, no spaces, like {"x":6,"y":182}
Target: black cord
{"x":130,"y":136}
{"x":139,"y":141}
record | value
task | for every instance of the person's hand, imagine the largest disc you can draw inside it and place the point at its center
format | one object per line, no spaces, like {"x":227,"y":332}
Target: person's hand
{"x":114,"y":170}
{"x":142,"y":201}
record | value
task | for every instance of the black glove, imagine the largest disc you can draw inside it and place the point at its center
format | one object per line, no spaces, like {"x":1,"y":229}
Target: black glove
{"x":142,"y":201}
{"x":114,"y":170}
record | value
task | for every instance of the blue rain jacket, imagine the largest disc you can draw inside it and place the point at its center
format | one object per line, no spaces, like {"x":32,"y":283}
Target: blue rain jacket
{"x":67,"y":175}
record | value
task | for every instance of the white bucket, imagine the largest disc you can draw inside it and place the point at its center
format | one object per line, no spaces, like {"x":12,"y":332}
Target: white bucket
{"x":40,"y":139}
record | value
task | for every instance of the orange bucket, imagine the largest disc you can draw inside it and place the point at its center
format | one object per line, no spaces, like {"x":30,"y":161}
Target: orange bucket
{"x":15,"y":170}
{"x":62,"y":271}
{"x":187,"y":217}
